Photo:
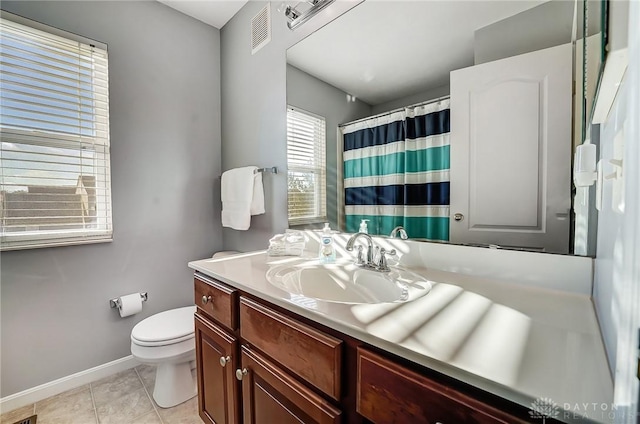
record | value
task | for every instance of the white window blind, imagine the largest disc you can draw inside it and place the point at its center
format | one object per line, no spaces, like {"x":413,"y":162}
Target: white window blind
{"x":54,"y":134}
{"x":306,"y":141}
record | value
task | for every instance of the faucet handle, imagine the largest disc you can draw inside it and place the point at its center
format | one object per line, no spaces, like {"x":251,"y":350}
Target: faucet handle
{"x":360,"y":259}
{"x":382,"y":263}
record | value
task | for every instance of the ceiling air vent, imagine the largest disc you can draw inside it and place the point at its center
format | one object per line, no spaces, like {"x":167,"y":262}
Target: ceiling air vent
{"x":261,"y":29}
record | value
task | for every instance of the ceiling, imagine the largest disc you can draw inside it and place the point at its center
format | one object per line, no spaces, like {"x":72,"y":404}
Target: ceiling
{"x":212,"y":12}
{"x":433,"y":36}
{"x":374,"y":50}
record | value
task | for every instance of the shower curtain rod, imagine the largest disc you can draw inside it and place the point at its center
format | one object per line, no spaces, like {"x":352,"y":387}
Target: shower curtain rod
{"x":426,"y":102}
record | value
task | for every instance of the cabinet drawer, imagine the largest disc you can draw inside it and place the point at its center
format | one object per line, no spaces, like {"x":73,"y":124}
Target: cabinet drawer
{"x":390,"y":393}
{"x":306,"y":352}
{"x":216,"y":300}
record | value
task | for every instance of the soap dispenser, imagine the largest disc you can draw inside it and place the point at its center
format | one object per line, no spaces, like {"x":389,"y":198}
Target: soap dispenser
{"x":327,"y":249}
{"x":363,"y":226}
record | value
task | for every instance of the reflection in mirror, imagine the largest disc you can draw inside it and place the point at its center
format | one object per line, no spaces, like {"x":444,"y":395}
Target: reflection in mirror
{"x":591,"y":51}
{"x":452,"y":120}
{"x":590,"y":55}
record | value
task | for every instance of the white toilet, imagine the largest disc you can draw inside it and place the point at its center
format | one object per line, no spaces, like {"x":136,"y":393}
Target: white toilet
{"x":167,"y":340}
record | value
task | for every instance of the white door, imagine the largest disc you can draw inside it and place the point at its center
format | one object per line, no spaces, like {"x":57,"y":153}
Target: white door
{"x":511,"y":151}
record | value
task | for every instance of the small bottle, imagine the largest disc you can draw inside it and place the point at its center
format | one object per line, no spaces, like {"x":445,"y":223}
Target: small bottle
{"x":363,"y":226}
{"x":327,"y":249}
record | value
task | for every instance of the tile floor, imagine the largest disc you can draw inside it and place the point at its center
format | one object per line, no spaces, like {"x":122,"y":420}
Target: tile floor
{"x":123,"y":398}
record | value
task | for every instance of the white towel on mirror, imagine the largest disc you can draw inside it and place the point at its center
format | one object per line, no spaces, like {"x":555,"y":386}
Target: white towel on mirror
{"x":242,"y":196}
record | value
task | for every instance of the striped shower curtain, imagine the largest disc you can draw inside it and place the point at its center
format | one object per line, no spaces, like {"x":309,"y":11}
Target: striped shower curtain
{"x":396,"y":172}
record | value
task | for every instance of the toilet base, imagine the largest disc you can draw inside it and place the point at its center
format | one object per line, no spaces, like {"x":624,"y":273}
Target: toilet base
{"x":174,"y":384}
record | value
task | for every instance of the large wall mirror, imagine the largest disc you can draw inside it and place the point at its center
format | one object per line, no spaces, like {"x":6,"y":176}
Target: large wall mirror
{"x":456,"y":120}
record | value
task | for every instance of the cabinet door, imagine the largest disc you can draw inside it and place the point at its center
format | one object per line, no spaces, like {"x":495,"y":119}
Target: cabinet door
{"x":270,"y":395}
{"x":218,"y":389}
{"x":511,"y":151}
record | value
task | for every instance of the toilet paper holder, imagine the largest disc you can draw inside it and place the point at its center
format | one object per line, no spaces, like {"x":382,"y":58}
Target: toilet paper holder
{"x":115,"y":303}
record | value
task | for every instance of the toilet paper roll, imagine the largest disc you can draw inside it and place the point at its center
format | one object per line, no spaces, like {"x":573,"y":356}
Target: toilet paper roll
{"x":130,"y":304}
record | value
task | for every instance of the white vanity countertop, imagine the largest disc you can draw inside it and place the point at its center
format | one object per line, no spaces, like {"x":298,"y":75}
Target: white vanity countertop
{"x":518,"y":342}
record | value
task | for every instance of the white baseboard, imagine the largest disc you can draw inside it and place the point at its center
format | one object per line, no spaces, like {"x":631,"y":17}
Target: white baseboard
{"x":43,"y":391}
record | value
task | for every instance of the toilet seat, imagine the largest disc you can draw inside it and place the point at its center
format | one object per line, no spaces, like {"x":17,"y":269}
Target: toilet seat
{"x":165,"y":328}
{"x":173,"y":353}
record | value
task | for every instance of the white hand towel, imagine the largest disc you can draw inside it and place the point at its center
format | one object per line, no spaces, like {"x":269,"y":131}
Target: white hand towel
{"x":242,"y":196}
{"x":257,"y":203}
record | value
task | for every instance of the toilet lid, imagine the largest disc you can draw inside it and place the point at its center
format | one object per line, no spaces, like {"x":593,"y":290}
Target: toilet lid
{"x":173,"y":325}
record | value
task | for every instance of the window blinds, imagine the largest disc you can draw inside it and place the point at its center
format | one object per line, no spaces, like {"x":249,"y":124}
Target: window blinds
{"x":306,"y":160}
{"x":54,"y":123}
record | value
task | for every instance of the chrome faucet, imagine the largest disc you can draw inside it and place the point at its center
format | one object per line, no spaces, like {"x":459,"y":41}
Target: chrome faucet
{"x":367,"y":237}
{"x":401,"y":230}
{"x":378,"y":263}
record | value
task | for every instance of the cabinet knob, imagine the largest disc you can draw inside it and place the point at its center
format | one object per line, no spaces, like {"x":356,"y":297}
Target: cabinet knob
{"x":224,"y":360}
{"x":206,"y":299}
{"x":241,"y":373}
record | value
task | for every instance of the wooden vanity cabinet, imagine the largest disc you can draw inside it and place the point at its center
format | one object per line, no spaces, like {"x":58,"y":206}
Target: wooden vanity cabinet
{"x":293,"y":370}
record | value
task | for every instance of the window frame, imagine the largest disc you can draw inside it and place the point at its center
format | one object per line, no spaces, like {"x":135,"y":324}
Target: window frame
{"x":98,"y":143}
{"x":319,"y":170}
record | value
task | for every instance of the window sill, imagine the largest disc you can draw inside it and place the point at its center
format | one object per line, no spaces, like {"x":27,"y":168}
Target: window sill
{"x":306,"y":221}
{"x":10,"y":247}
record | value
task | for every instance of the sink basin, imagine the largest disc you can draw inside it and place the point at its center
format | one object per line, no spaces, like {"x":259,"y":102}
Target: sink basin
{"x":345,"y":282}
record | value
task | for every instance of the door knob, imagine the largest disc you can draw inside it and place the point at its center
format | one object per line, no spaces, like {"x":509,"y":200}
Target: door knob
{"x":241,"y":373}
{"x":224,"y":360}
{"x":458,"y":217}
{"x":206,"y":299}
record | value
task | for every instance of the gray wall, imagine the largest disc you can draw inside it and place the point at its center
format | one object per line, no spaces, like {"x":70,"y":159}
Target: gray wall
{"x":313,"y":95}
{"x":541,"y":27}
{"x":254,"y":111}
{"x":164,"y":70}
{"x":423,"y":96}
